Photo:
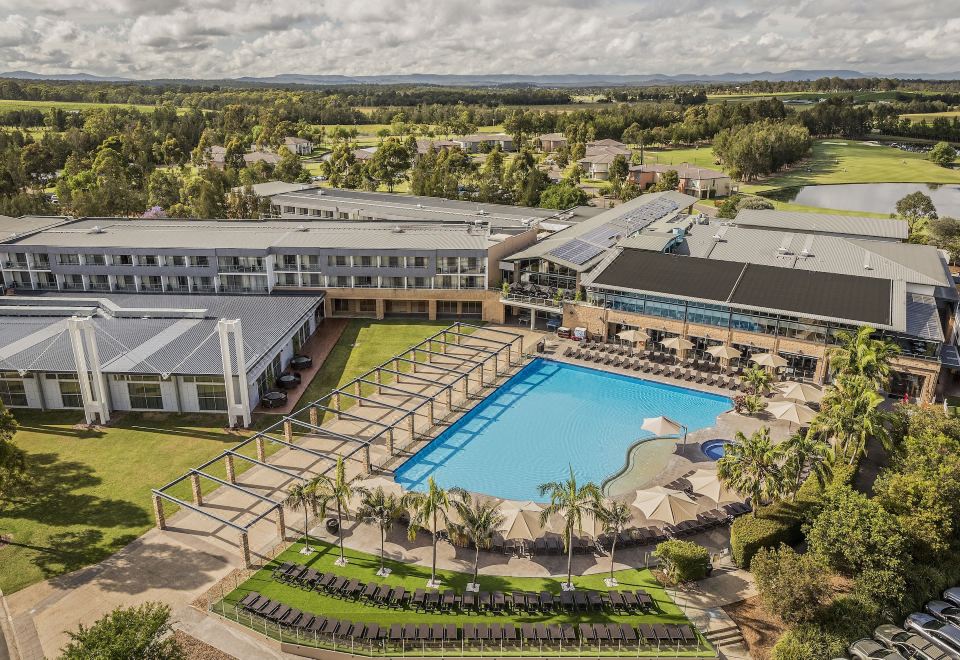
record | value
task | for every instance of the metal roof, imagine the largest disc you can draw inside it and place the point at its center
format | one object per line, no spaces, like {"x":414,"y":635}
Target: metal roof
{"x":923,"y":320}
{"x":143,"y":333}
{"x":13,"y":228}
{"x":844,"y":298}
{"x":824,"y":223}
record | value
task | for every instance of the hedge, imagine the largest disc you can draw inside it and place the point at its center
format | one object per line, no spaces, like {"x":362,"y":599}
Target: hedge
{"x":780,"y":522}
{"x":685,"y":560}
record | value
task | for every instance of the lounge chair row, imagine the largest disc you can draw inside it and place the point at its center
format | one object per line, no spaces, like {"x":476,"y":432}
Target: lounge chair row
{"x":651,"y":535}
{"x":307,"y":624}
{"x":641,"y":365}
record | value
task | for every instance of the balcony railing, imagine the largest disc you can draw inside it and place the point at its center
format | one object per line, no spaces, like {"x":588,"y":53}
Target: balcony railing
{"x":236,"y":268}
{"x":244,"y":289}
{"x":204,"y":288}
{"x":530,"y":300}
{"x":99,"y":286}
{"x":18,"y":265}
{"x":151,"y":287}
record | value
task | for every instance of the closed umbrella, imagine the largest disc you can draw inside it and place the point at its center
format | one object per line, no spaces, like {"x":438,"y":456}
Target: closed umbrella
{"x":800,"y":392}
{"x":633,"y":336}
{"x":708,"y":484}
{"x":669,"y":506}
{"x":791,"y":412}
{"x":771,"y":360}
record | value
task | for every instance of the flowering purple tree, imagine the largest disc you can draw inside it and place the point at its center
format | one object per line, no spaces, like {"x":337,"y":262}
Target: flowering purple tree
{"x":154,"y":212}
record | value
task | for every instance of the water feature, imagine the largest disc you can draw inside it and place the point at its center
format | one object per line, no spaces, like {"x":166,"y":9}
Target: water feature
{"x":872,"y":197}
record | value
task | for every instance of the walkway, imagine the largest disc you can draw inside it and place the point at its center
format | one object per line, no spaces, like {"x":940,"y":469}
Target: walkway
{"x":703,"y":605}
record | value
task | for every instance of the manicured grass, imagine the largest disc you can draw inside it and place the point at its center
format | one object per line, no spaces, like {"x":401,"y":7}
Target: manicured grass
{"x":363,"y":345}
{"x":363,"y":567}
{"x":8,"y":104}
{"x":89,"y":491}
{"x":699,"y":156}
{"x":930,"y":116}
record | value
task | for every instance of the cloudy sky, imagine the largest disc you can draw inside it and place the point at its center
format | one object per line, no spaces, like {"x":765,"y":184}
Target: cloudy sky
{"x":228,"y":38}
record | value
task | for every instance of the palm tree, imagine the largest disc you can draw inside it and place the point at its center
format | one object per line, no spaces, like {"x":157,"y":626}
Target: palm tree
{"x":381,"y":508}
{"x":859,"y":354}
{"x":805,"y":450}
{"x":338,"y":490}
{"x":615,"y":516}
{"x":851,"y":414}
{"x":750,"y":467}
{"x":303,"y":497}
{"x":759,"y":379}
{"x":426,"y":511}
{"x":572,"y":502}
{"x":478,"y":520}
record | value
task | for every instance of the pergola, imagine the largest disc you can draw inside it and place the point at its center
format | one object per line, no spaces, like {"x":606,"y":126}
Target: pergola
{"x":462,"y":354}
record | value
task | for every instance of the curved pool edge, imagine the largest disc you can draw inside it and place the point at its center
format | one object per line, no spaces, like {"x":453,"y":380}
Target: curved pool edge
{"x":628,"y":462}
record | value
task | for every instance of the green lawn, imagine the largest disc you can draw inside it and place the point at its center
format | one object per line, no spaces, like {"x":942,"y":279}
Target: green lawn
{"x":8,"y":104}
{"x":363,"y":566}
{"x":700,"y":156}
{"x":930,"y":116}
{"x":363,"y":345}
{"x":89,"y":492}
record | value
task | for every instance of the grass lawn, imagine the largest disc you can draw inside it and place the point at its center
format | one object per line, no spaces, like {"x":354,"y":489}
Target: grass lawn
{"x":8,"y":104}
{"x":363,"y":345}
{"x":699,"y":156}
{"x":930,"y":116}
{"x":363,"y":566}
{"x":89,"y":493}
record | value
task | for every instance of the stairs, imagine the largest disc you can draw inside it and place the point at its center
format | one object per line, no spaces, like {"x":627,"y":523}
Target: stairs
{"x":726,"y":636}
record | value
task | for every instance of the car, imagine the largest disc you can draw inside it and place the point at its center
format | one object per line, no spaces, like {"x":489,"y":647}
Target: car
{"x":869,"y":649}
{"x":944,"y":635}
{"x":952,"y":595}
{"x":909,"y":644}
{"x":944,"y":611}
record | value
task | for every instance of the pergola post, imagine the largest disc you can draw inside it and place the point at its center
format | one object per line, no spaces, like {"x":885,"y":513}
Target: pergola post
{"x":366,"y":459}
{"x":288,"y":430}
{"x":314,"y":416}
{"x":245,"y":550}
{"x":158,"y":512}
{"x":231,"y":472}
{"x":261,"y":451}
{"x":466,"y":386}
{"x":356,"y":390}
{"x":396,"y":363}
{"x":450,"y":398}
{"x":281,"y":524}
{"x":390,"y":440}
{"x":411,"y":427}
{"x":336,"y":404}
{"x":378,"y":378}
{"x":482,"y":383}
{"x":430,"y":412}
{"x":195,"y":488}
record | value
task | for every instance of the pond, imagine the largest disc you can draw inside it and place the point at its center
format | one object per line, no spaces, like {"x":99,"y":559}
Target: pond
{"x":873,"y":197}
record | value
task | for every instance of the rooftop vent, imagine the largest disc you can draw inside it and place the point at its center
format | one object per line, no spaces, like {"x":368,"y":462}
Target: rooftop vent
{"x":482,"y":212}
{"x":97,"y":229}
{"x":419,"y":205}
{"x":301,"y":228}
{"x":807,"y":244}
{"x":397,"y":229}
{"x":866,"y":262}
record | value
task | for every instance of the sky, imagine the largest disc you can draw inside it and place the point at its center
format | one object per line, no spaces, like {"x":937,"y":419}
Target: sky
{"x":232,"y":38}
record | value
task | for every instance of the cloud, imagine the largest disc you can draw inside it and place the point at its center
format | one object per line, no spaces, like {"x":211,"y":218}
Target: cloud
{"x":228,"y":38}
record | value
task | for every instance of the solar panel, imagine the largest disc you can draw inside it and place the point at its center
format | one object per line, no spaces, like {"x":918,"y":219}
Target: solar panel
{"x":602,"y":235}
{"x":576,"y":251}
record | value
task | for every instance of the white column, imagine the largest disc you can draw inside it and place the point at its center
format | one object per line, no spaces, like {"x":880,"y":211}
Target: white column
{"x":238,"y":403}
{"x":93,"y":382}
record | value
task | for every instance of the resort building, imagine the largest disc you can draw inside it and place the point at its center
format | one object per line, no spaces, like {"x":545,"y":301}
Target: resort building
{"x":372,"y":270}
{"x":761,"y":289}
{"x":426,"y":144}
{"x":102,"y":352}
{"x":697,"y":181}
{"x":551,"y":141}
{"x":851,"y":226}
{"x":481,"y":142}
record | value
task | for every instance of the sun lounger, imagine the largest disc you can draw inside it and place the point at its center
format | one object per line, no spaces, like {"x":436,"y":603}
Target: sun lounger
{"x":469,"y":600}
{"x":282,"y":568}
{"x":410,"y":631}
{"x":369,"y":591}
{"x":498,"y":601}
{"x":317,"y":624}
{"x":450,"y":632}
{"x":644,"y":599}
{"x":527,"y":632}
{"x":305,"y":621}
{"x":581,"y":600}
{"x":587,"y":632}
{"x":568,"y":352}
{"x":265,"y":607}
{"x":419,"y":599}
{"x":541,"y":630}
{"x":483,"y":631}
{"x":616,"y":600}
{"x":594,"y":600}
{"x":648,"y":633}
{"x":396,"y":632}
{"x":628,"y":633}
{"x":278,"y":613}
{"x":661,"y":631}
{"x":249,"y":600}
{"x":509,"y":632}
{"x":291,"y":617}
{"x":613,"y":632}
{"x":433,"y":599}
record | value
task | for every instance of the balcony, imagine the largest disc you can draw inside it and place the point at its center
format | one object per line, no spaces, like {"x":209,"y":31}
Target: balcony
{"x":73,"y":286}
{"x":204,"y":288}
{"x":313,"y":268}
{"x":533,"y":301}
{"x":238,"y":268}
{"x":151,"y":288}
{"x":15,"y":265}
{"x":178,"y":288}
{"x":99,"y":286}
{"x":244,"y":289}
{"x":124,"y":287}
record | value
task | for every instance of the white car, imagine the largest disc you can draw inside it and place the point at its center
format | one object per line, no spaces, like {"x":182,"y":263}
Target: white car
{"x":944,"y":611}
{"x":908,"y":644}
{"x":869,"y":649}
{"x":952,"y":595}
{"x":944,"y":635}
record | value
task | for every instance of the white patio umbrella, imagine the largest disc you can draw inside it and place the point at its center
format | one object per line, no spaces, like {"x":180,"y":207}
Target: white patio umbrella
{"x":633,"y":336}
{"x":800,"y":392}
{"x":723,"y":352}
{"x":664,"y":426}
{"x":771,"y":360}
{"x":669,"y":506}
{"x":706,"y":483}
{"x":791,"y":412}
{"x":522,"y":521}
{"x":678,"y":343}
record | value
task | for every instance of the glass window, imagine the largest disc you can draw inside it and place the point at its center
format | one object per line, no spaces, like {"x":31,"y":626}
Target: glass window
{"x":708,"y":315}
{"x":12,"y":393}
{"x":145,"y":395}
{"x":70,"y":394}
{"x":471,"y":308}
{"x":212,"y":397}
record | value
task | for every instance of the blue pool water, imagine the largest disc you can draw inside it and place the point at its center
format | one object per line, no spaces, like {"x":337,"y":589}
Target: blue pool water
{"x":714,"y":449}
{"x":551,"y":415}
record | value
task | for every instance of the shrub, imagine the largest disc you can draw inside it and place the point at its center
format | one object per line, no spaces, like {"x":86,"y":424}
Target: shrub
{"x":754,"y":404}
{"x":792,"y":586}
{"x":755,"y":203}
{"x":136,"y":632}
{"x":684,"y":561}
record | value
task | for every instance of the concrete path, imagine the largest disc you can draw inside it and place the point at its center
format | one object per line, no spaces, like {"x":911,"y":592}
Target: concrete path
{"x":703,"y":605}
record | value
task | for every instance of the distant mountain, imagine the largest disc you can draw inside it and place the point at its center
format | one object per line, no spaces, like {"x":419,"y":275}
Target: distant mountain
{"x":487,"y":80}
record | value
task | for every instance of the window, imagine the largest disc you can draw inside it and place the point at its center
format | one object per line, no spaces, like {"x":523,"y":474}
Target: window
{"x":447,"y":307}
{"x":212,"y":397}
{"x":263,"y":383}
{"x":12,"y":393}
{"x":300,"y":338}
{"x":367,"y":305}
{"x":123,"y":259}
{"x":41,"y":260}
{"x":95,"y":259}
{"x":364,"y":281}
{"x":363,"y":261}
{"x":290,"y":261}
{"x":68,"y":259}
{"x":471,"y":308}
{"x":337,"y":260}
{"x":391,"y":262}
{"x":70,"y":393}
{"x":199,"y":261}
{"x":178,"y":261}
{"x":419,"y":262}
{"x":341,"y":305}
{"x":147,"y":260}
{"x":145,"y":395}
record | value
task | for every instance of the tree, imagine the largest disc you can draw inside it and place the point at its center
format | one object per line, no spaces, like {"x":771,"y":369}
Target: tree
{"x":945,"y":234}
{"x":916,"y":205}
{"x":13,"y":459}
{"x":850,"y":413}
{"x":479,"y":520}
{"x":669,"y":180}
{"x":615,"y":516}
{"x":859,"y":354}
{"x":390,"y":163}
{"x":303,"y":497}
{"x":572,"y":502}
{"x":805,"y":451}
{"x":791,"y":585}
{"x":163,"y":186}
{"x":381,"y":508}
{"x":750,"y":467}
{"x":563,"y":196}
{"x":943,"y":154}
{"x":618,"y":169}
{"x":727,"y":209}
{"x":138,"y":632}
{"x":338,"y":490}
{"x":759,"y":379}
{"x":684,"y":561}
{"x":428,"y":511}
{"x":289,"y":168}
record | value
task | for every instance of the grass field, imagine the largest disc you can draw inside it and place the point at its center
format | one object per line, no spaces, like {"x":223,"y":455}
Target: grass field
{"x":6,"y":104}
{"x":367,"y":133}
{"x":930,"y":116}
{"x":699,"y":156}
{"x":363,"y":566}
{"x":89,"y":491}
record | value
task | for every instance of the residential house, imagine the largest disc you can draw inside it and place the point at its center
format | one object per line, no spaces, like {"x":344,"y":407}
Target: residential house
{"x":298,"y":145}
{"x":700,"y":182}
{"x":551,"y":141}
{"x":484,"y":141}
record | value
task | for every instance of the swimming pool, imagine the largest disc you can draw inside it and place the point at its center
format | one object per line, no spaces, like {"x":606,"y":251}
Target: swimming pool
{"x":715,"y":449}
{"x":548,"y":416}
